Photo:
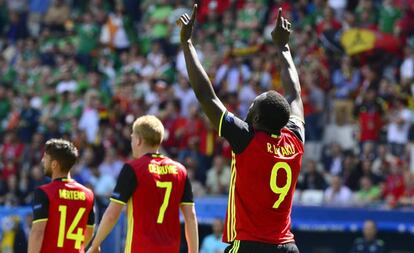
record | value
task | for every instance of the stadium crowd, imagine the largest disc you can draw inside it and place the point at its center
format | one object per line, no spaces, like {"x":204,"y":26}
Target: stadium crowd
{"x":84,"y":70}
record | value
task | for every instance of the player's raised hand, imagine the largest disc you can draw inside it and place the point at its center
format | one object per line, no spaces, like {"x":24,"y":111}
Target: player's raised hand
{"x":186,"y":23}
{"x":282,"y":30}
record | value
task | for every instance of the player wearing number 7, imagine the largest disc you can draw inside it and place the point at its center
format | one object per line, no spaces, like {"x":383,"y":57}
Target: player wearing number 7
{"x":154,"y":188}
{"x":267,"y":150}
{"x":63,"y":216}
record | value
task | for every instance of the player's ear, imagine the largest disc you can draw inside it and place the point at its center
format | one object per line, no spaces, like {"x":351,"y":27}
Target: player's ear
{"x":54,"y":164}
{"x":139,"y":140}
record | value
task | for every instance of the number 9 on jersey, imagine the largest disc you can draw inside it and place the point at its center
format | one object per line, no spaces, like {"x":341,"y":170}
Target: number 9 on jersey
{"x":282,"y":191}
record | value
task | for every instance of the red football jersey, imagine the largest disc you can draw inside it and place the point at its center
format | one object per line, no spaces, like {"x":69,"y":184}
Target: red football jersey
{"x":153,"y":187}
{"x":68,"y":208}
{"x":264,"y":172}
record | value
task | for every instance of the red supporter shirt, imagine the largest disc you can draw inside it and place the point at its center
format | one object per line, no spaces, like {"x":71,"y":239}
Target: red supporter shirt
{"x":67,"y":206}
{"x":264,"y":172}
{"x":153,"y":187}
{"x":394,"y":185}
{"x":370,"y":123}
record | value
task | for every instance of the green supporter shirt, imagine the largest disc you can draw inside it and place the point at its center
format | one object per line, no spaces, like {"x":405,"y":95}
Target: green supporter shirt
{"x":87,"y":38}
{"x":388,"y":15}
{"x":248,"y":16}
{"x":160,"y":30}
{"x":367,"y":195}
{"x":373,"y":15}
{"x":4,"y":108}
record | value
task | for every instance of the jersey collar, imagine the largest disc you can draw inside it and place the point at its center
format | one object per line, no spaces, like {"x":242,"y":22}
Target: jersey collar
{"x":63,"y":179}
{"x":154,"y":155}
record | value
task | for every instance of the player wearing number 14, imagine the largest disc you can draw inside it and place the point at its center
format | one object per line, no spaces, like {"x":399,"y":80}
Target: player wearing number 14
{"x":63,"y":216}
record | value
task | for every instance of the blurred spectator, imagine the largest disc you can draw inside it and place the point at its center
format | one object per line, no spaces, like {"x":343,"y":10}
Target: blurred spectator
{"x":313,"y":99}
{"x":4,"y":103}
{"x":247,"y":94}
{"x":369,"y":241}
{"x":312,"y":178}
{"x":37,"y":9}
{"x":37,"y":177}
{"x":11,"y":149}
{"x":340,"y":132}
{"x":29,"y":121}
{"x":57,"y":14}
{"x":197,"y":186}
{"x":333,"y":160}
{"x":407,"y":199}
{"x":337,"y":194}
{"x":350,"y":171}
{"x":249,"y":18}
{"x":156,"y":19}
{"x":218,"y":177}
{"x":17,"y":28}
{"x":67,"y":84}
{"x":345,"y":80}
{"x":89,"y":121}
{"x":103,"y":186}
{"x":394,"y":185}
{"x":182,"y":90}
{"x":328,"y":22}
{"x":13,"y":197}
{"x":367,"y":14}
{"x":231,"y":74}
{"x":383,"y":161}
{"x":13,"y":239}
{"x":339,"y":7}
{"x":87,"y":32}
{"x":407,"y":66}
{"x":113,"y":33}
{"x":398,"y":127}
{"x":369,"y":113}
{"x":365,"y":170}
{"x":388,"y":15}
{"x":111,"y":165}
{"x":212,"y":243}
{"x":368,"y":193}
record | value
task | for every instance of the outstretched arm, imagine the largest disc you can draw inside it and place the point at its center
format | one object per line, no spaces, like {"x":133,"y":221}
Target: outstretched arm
{"x":191,"y":230}
{"x":36,"y":236}
{"x":289,"y":74}
{"x":203,"y":89}
{"x":109,"y":219}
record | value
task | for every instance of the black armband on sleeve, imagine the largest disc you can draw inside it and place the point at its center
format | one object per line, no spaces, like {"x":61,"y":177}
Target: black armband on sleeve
{"x":188,"y":193}
{"x":125,"y":185}
{"x":298,"y":131}
{"x":40,"y":206}
{"x":91,"y":218}
{"x":236,"y":131}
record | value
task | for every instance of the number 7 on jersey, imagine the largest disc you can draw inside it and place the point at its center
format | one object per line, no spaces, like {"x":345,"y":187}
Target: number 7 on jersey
{"x":163,"y":208}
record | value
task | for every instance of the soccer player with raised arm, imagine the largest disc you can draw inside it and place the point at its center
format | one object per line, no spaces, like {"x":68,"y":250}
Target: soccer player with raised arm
{"x":267,"y":150}
{"x":154,"y":188}
{"x":63,"y":216}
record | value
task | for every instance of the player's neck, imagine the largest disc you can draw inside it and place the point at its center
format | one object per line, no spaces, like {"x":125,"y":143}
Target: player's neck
{"x":148,"y":150}
{"x":59,"y":174}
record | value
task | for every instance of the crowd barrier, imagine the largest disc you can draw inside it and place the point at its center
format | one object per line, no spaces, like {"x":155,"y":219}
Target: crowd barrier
{"x":304,"y":219}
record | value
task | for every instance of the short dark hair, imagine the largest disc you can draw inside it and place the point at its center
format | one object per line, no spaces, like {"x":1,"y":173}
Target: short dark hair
{"x":63,"y":151}
{"x":273,"y":112}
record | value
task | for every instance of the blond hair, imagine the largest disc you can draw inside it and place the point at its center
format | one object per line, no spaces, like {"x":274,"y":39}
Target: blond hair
{"x":150,"y":129}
